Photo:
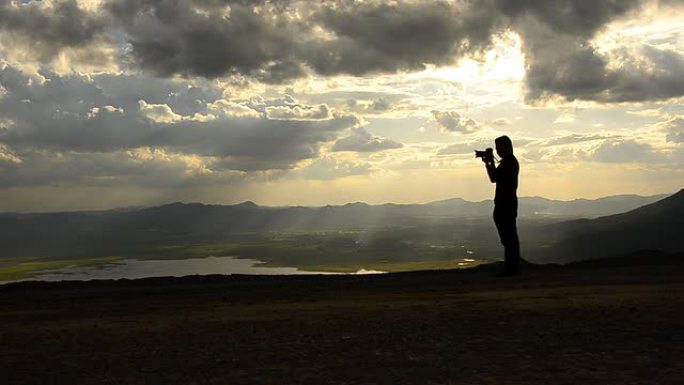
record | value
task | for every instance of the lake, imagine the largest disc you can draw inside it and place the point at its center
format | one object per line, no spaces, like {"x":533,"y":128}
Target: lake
{"x":134,"y":268}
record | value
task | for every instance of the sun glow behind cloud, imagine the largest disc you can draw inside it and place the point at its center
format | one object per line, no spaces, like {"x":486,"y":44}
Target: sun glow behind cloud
{"x":504,"y":62}
{"x":370,"y":108}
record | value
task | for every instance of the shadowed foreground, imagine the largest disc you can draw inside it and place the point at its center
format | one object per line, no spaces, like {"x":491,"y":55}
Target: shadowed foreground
{"x":597,"y":325}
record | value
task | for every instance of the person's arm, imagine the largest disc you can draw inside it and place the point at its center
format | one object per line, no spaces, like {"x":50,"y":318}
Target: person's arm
{"x":491,"y":171}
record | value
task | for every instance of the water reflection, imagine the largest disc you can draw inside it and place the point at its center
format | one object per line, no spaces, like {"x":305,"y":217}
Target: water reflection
{"x":133,"y":268}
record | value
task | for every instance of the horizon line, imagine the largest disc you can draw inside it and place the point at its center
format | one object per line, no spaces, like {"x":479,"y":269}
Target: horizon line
{"x":140,"y":207}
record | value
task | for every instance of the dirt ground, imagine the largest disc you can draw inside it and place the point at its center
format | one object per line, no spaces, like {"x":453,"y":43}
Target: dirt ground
{"x":549,"y":326}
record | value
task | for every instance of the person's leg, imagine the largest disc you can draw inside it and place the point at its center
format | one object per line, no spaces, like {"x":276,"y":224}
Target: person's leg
{"x":498,"y":223}
{"x":512,"y":247}
{"x":506,"y":226}
{"x":501,"y":220}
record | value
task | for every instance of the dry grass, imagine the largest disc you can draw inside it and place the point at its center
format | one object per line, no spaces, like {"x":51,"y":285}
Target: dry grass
{"x":449,"y":327}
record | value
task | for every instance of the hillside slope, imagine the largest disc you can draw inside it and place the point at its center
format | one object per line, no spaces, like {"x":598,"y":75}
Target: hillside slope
{"x":657,"y":226}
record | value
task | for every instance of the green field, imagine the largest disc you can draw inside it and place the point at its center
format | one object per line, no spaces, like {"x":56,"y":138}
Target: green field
{"x":13,"y":269}
{"x":387,"y":250}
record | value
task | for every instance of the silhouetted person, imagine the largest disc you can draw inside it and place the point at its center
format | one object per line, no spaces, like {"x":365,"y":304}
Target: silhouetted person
{"x":506,"y":202}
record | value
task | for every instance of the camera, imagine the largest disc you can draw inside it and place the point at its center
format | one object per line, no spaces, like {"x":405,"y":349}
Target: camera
{"x":486,"y":155}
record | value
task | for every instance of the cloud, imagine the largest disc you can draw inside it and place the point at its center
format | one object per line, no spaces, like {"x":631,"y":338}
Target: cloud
{"x":624,"y":151}
{"x":675,"y":130}
{"x":567,"y":148}
{"x":570,"y":17}
{"x":159,"y":113}
{"x":650,"y":112}
{"x":327,"y":168}
{"x":557,"y":155}
{"x":376,"y":36}
{"x":453,"y":122}
{"x":500,"y":122}
{"x":142,"y":167}
{"x":563,"y":60}
{"x":49,"y":27}
{"x":365,"y":99}
{"x":8,"y":157}
{"x":362,"y":141}
{"x":572,"y":138}
{"x":382,"y":104}
{"x":361,"y":38}
{"x":276,"y":41}
{"x":467,"y":147}
{"x":565,"y":118}
{"x":184,"y":96}
{"x":210,"y":38}
{"x":228,"y":108}
{"x":76,"y":113}
{"x":298,"y":112}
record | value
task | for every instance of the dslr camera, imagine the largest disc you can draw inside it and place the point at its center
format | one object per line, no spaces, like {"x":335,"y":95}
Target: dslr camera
{"x":486,"y":155}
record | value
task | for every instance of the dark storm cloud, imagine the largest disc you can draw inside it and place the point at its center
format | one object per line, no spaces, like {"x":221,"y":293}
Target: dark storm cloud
{"x":270,"y":40}
{"x":569,"y":17}
{"x":369,"y":37}
{"x":274,"y":41}
{"x":363,"y":141}
{"x":373,"y":36}
{"x":48,"y":30}
{"x":567,"y":65}
{"x":208,"y":38}
{"x":266,"y":39}
{"x":75,"y":113}
{"x":561,"y":61}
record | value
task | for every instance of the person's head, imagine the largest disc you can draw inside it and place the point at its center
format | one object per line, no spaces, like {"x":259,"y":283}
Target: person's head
{"x":504,"y":146}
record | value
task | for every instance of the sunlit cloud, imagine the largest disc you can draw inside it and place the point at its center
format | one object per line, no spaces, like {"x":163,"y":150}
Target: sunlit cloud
{"x":333,"y":101}
{"x":361,"y":140}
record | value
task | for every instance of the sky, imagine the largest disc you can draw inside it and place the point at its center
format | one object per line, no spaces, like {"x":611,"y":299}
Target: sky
{"x":114,"y":103}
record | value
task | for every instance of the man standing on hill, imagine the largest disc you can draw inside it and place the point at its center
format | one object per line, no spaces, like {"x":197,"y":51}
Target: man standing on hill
{"x":506,"y":202}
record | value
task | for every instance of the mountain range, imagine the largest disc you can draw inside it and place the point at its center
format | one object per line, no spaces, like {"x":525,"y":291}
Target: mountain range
{"x":550,"y":230}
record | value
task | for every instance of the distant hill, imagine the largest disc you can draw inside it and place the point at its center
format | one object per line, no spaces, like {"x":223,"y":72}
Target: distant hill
{"x":453,"y":221}
{"x":656,"y":226}
{"x":537,"y":206}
